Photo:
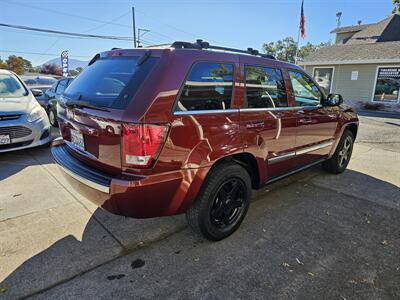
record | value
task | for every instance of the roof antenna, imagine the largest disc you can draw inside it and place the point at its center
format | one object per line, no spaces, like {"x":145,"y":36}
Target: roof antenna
{"x":338,"y":18}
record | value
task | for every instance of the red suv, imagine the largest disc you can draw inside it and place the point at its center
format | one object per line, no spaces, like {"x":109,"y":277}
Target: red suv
{"x":191,"y":128}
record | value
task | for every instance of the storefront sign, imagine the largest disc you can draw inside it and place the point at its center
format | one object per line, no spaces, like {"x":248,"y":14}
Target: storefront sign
{"x":387,"y":87}
{"x":64,"y":63}
{"x":389,"y":73}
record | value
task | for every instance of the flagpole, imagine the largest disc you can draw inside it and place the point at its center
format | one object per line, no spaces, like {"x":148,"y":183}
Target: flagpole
{"x":301,"y":31}
{"x":297,"y":47}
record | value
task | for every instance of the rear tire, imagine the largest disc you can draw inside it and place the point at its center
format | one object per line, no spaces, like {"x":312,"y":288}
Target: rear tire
{"x":341,"y":158}
{"x":222,"y":203}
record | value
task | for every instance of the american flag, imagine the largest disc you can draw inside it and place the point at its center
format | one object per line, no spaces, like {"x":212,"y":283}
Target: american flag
{"x":302,"y":22}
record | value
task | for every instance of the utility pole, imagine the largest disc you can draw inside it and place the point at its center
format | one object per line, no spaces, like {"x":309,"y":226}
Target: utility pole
{"x":134,"y":27}
{"x":338,"y":19}
{"x":141,"y":32}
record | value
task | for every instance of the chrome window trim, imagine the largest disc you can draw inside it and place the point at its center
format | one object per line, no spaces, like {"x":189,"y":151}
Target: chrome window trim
{"x":233,"y":110}
{"x":280,"y":108}
{"x":205,"y":112}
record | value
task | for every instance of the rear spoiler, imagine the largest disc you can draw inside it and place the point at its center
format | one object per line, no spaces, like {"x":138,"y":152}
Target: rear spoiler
{"x":97,"y":57}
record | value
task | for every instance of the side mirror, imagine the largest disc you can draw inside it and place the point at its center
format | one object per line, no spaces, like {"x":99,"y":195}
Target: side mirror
{"x":333,"y":100}
{"x":36,"y":92}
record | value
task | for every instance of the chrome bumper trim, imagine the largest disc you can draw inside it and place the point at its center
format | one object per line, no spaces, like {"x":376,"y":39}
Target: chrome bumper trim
{"x":94,"y":185}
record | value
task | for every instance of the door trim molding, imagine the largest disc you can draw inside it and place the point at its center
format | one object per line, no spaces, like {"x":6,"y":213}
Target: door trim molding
{"x":301,"y":151}
{"x":283,"y":157}
{"x":314,"y":148}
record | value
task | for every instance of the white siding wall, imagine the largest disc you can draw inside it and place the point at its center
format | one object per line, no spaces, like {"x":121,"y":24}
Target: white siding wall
{"x":354,"y":90}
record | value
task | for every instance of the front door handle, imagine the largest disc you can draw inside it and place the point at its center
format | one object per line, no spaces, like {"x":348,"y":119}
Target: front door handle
{"x":305,"y":121}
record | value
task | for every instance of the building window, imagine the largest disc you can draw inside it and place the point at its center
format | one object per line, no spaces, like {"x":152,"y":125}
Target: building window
{"x":209,"y":86}
{"x":387,"y":85}
{"x":324,"y":78}
{"x":265,"y":88}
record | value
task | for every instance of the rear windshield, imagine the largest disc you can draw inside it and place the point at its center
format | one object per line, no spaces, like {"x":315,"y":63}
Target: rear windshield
{"x":110,"y":82}
{"x":10,"y":86}
{"x":39,"y":81}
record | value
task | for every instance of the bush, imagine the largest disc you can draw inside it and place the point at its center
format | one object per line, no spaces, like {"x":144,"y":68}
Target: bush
{"x":374,"y":106}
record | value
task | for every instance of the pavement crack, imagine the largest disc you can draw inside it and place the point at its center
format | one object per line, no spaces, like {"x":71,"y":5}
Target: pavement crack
{"x":353,"y":196}
{"x":377,"y":142}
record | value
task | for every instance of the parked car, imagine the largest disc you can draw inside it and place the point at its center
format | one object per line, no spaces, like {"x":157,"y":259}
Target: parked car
{"x":52,"y":96}
{"x":148,"y":133}
{"x":39,"y":82}
{"x":23,"y":122}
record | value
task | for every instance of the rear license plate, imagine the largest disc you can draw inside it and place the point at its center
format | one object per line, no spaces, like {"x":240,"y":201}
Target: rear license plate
{"x":77,"y":139}
{"x":5,"y":139}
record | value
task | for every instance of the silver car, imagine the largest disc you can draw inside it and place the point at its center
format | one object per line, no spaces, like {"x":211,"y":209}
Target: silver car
{"x":23,"y":122}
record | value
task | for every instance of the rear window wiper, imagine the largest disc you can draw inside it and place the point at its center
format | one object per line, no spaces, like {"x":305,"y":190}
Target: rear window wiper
{"x":81,"y":104}
{"x":143,"y":58}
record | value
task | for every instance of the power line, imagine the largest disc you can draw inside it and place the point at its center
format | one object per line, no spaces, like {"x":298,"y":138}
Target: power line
{"x":109,"y":22}
{"x":174,"y":27}
{"x":66,"y":14}
{"x":45,"y":35}
{"x":106,"y":37}
{"x":41,"y":53}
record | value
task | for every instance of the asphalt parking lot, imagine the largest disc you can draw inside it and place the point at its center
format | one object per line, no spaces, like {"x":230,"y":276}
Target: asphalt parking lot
{"x":310,"y":236}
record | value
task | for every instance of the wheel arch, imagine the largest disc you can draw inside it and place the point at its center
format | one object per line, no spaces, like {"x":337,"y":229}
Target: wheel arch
{"x":247,"y":161}
{"x":353,"y":129}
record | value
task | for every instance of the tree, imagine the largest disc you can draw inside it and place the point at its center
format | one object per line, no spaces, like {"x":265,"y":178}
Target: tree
{"x":51,"y":69}
{"x":283,"y":49}
{"x":286,"y":49}
{"x":76,"y":71}
{"x":3,"y":65}
{"x":27,"y":64}
{"x":396,"y":7}
{"x":17,"y":64}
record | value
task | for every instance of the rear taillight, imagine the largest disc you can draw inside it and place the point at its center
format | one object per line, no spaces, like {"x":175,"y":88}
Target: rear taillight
{"x":141,"y":144}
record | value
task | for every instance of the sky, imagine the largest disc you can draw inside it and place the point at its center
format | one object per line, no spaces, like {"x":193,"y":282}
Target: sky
{"x":234,"y":23}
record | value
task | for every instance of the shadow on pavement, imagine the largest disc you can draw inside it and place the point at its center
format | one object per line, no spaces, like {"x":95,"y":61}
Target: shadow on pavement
{"x":69,"y":257}
{"x":379,"y":114}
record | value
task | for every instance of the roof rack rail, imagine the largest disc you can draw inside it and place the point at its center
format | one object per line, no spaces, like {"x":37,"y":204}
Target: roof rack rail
{"x":200,"y":44}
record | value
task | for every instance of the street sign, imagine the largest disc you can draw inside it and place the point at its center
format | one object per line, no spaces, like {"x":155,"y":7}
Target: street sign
{"x":64,"y":63}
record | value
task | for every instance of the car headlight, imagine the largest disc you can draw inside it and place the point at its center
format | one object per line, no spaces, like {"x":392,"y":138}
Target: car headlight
{"x":36,"y":114}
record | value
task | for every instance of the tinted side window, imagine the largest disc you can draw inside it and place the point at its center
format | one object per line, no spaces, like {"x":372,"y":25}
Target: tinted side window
{"x":53,"y":87}
{"x":265,"y":87}
{"x":305,"y":91}
{"x":208,"y":86}
{"x":61,"y":86}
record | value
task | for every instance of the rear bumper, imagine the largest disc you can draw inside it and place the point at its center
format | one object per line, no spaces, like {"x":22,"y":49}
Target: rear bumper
{"x":74,"y":168}
{"x":156,"y":195}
